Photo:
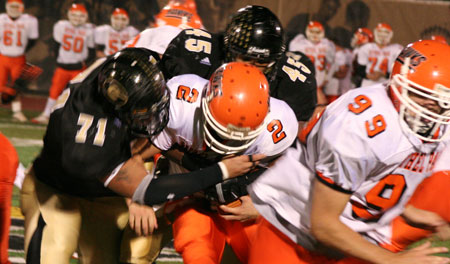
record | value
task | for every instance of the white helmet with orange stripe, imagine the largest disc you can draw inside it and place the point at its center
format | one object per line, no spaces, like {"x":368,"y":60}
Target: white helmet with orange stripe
{"x":77,"y":14}
{"x":119,"y":19}
{"x":14,"y":8}
{"x":383,"y":34}
{"x":315,"y":32}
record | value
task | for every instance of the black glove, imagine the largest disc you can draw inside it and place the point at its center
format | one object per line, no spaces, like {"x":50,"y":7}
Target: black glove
{"x":231,"y":189}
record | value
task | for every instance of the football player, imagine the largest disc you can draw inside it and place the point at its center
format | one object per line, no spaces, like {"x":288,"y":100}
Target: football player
{"x":74,"y":49}
{"x":18,"y":34}
{"x":254,"y":35}
{"x":375,"y":60}
{"x":360,"y":37}
{"x":356,"y":167}
{"x":111,"y":38}
{"x":232,"y":114}
{"x":320,"y":50}
{"x":9,"y":162}
{"x":72,"y":196}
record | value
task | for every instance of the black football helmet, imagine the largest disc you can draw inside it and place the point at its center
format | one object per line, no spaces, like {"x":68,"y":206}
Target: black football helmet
{"x":255,"y":33}
{"x":132,"y":83}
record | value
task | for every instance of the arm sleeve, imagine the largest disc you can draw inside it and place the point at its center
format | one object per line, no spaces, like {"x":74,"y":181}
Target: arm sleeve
{"x":176,"y":186}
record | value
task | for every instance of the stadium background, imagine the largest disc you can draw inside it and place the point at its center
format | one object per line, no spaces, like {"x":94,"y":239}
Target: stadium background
{"x":410,"y":20}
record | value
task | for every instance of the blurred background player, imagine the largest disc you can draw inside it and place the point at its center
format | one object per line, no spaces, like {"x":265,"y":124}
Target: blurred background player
{"x":375,"y":60}
{"x":74,"y":49}
{"x":9,"y":162}
{"x":339,"y":80}
{"x":111,"y":38}
{"x":360,"y":37}
{"x":320,"y":50}
{"x":18,"y":33}
{"x":172,"y":19}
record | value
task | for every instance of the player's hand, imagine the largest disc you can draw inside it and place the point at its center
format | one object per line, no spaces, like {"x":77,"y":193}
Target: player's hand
{"x":374,"y":76}
{"x":244,"y":212}
{"x":419,"y":255}
{"x":423,"y":218}
{"x":142,"y":219}
{"x":239,"y":165}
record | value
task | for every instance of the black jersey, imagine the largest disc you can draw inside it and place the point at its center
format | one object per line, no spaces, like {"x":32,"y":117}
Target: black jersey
{"x":199,"y":52}
{"x":295,"y":83}
{"x":84,"y":141}
{"x":193,"y":51}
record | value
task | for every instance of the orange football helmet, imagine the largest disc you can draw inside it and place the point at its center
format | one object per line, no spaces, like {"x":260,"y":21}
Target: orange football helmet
{"x":119,"y":19}
{"x":234,"y":107}
{"x":439,"y":38}
{"x":14,"y":8}
{"x":189,"y":4}
{"x":180,"y":17}
{"x":361,"y":36}
{"x":77,"y":14}
{"x":315,"y":32}
{"x":421,"y":71}
{"x":383,"y":34}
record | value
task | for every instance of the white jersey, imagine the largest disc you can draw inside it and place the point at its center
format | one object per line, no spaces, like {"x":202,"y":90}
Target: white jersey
{"x":357,"y":147}
{"x":112,"y":39}
{"x":337,"y":86}
{"x":377,"y":59}
{"x":156,"y":39}
{"x":321,"y":54}
{"x":14,"y":34}
{"x":185,"y":126}
{"x":75,"y":41}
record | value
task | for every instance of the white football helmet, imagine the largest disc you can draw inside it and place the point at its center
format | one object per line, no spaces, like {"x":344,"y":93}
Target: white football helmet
{"x":383,"y":34}
{"x":14,"y":8}
{"x":77,"y":15}
{"x":315,"y":32}
{"x":119,"y":19}
{"x":420,"y":89}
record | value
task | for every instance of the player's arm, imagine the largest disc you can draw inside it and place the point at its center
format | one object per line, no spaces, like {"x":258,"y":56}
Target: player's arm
{"x":326,"y":226}
{"x":132,"y":180}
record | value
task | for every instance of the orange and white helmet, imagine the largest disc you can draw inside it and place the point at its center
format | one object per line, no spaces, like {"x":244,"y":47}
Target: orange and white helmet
{"x":383,"y":34}
{"x":361,"y":36}
{"x":315,"y":32}
{"x":119,"y":19}
{"x":439,"y":38}
{"x":421,"y":71}
{"x":14,"y":8}
{"x":180,"y":17}
{"x":77,"y":14}
{"x":234,"y":106}
{"x":188,"y":4}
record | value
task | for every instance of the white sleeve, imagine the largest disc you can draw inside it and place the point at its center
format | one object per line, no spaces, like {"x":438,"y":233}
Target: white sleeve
{"x":363,"y":57}
{"x":58,"y":32}
{"x":99,"y":35}
{"x":90,"y":37}
{"x":34,"y":28}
